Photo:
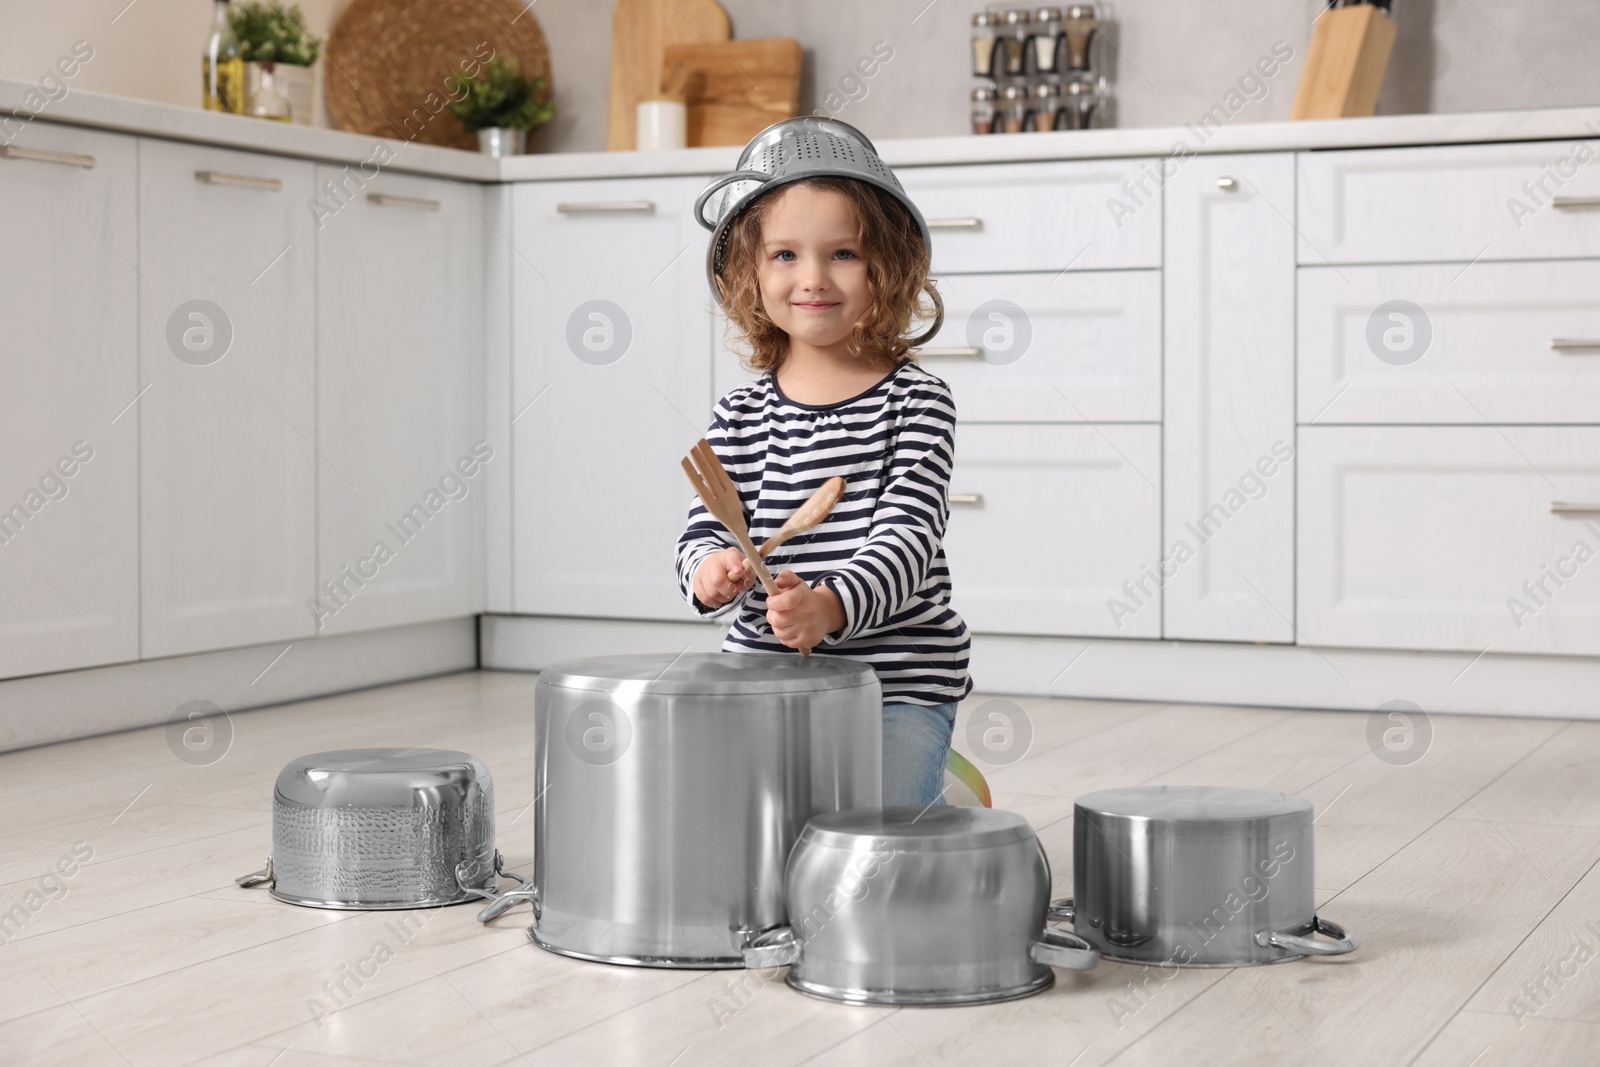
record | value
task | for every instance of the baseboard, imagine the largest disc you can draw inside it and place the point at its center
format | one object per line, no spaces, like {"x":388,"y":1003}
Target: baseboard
{"x":1182,"y":672}
{"x":57,"y":707}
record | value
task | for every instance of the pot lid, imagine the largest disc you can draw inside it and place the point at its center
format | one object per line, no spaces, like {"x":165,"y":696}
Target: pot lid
{"x":709,"y":673}
{"x":377,"y":777}
{"x":915,"y":828}
{"x":1218,"y":806}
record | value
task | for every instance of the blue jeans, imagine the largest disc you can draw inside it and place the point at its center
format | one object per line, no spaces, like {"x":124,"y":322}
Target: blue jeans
{"x":916,"y":743}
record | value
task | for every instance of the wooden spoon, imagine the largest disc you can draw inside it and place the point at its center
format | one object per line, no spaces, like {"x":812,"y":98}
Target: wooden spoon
{"x":810,"y":515}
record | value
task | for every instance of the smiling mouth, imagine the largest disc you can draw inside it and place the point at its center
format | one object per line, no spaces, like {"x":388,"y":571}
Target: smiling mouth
{"x":817,"y":305}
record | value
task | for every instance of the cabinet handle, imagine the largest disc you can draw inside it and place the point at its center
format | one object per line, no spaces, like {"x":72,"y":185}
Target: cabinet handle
{"x":41,"y":155}
{"x":1561,"y":507}
{"x":967,"y":498}
{"x":952,"y":353}
{"x":1575,"y":201}
{"x":608,"y":207}
{"x":421,"y":203}
{"x":954,"y":224}
{"x":217,"y":177}
{"x":1227,"y":183}
{"x":1567,"y":344}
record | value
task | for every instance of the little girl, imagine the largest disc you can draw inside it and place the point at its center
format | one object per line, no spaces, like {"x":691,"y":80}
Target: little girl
{"x":822,"y":276}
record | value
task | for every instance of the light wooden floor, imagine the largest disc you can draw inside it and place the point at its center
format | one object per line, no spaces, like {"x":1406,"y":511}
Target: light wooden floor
{"x":1469,"y":876}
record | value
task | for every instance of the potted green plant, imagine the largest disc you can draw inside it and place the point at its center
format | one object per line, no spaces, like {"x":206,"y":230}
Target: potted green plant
{"x":501,"y":106}
{"x":280,"y":57}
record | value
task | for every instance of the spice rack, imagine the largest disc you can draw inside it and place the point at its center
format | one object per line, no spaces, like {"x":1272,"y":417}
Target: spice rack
{"x":1038,"y":69}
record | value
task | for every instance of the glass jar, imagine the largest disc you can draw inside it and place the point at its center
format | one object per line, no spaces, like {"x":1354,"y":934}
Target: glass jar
{"x":1045,"y":106}
{"x":985,"y":27}
{"x":1013,"y":44}
{"x":1079,"y":34}
{"x":267,"y":102}
{"x":1013,"y":108}
{"x":1046,"y":40}
{"x":983,"y":110}
{"x":1079,"y":96}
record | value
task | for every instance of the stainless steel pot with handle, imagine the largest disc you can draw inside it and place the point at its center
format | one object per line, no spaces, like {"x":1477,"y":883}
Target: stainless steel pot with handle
{"x":1197,"y":876}
{"x":911,"y":905}
{"x":381,"y":828}
{"x":669,"y":791}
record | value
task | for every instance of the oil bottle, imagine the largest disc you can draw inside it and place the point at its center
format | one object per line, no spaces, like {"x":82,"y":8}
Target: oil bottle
{"x":222,"y":67}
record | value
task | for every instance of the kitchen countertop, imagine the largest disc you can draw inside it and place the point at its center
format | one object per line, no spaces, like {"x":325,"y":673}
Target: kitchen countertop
{"x":148,"y":118}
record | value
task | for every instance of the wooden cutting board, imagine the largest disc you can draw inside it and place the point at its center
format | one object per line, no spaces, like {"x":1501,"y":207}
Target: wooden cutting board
{"x":736,"y":89}
{"x":640,"y":31}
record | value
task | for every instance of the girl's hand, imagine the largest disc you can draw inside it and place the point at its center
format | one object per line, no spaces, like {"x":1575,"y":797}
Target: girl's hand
{"x":722,"y":576}
{"x":801,"y":616}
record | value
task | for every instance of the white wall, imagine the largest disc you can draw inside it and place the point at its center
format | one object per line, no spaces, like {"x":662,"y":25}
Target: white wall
{"x":1174,"y":59}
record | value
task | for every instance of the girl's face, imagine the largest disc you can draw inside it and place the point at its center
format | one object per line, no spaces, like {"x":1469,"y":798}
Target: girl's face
{"x":813,"y":279}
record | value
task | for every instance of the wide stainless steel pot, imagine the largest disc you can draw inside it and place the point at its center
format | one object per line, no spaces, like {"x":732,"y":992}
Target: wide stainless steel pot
{"x":1197,"y":876}
{"x":669,"y":791}
{"x":381,"y":828}
{"x":913,"y":905}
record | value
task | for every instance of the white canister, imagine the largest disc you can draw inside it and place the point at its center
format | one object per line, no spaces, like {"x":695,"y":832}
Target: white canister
{"x":660,"y":124}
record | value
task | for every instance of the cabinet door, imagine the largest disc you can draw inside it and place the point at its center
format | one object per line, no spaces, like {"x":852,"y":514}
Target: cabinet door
{"x":69,"y":533}
{"x":228,"y":461}
{"x":611,"y":387}
{"x":1230,"y":398}
{"x":400,"y":343}
{"x":1461,"y":538}
{"x":1054,"y":529}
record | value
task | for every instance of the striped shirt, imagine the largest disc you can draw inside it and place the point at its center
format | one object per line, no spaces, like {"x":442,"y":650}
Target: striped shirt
{"x":881,"y":550}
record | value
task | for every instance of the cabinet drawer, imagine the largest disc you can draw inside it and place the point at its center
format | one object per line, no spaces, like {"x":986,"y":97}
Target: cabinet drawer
{"x":1446,"y":538}
{"x":1456,"y":202}
{"x":1047,"y":523}
{"x":1502,"y":342}
{"x":1039,"y":216}
{"x":1051,"y":347}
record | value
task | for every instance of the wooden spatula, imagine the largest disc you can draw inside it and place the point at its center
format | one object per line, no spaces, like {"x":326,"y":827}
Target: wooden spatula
{"x":718,"y":493}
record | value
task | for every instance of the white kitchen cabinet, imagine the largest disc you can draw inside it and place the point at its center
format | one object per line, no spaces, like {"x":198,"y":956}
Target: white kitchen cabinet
{"x":1054,"y":215}
{"x":1531,"y":200}
{"x":1054,"y":529}
{"x":69,"y":529}
{"x":1450,"y":537}
{"x":1440,"y":343}
{"x":399,"y":381}
{"x":1076,"y":346}
{"x":611,"y":387}
{"x":228,"y":461}
{"x":1229,"y":399}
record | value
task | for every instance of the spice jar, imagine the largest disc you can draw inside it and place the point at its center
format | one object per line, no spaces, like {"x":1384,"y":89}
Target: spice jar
{"x":1046,"y":104}
{"x":985,"y":25}
{"x":1013,"y":44}
{"x":1078,"y":100}
{"x":983,"y":108}
{"x":1079,"y":34}
{"x":1046,"y":39}
{"x":1013,"y":108}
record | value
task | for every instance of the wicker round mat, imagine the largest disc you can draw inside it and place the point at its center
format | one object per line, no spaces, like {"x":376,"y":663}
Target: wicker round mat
{"x":392,"y":66}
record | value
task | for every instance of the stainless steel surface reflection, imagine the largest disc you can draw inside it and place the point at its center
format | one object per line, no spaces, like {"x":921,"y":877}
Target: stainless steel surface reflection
{"x":670,"y":789}
{"x":380,"y":828}
{"x":908,"y":905}
{"x":1197,"y":876}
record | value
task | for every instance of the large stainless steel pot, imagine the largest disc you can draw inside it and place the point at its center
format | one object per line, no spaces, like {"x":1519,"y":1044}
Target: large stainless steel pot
{"x":1197,"y":876}
{"x":670,"y":789}
{"x":381,"y":828}
{"x":912,"y":905}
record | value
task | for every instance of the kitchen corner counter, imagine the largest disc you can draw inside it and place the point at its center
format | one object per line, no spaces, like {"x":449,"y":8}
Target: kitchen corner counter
{"x":152,"y":119}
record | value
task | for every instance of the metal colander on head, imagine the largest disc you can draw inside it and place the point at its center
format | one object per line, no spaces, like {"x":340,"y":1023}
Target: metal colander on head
{"x":785,"y":152}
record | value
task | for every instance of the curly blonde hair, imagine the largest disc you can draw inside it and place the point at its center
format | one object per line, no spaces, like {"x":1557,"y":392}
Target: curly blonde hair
{"x":897,"y":278}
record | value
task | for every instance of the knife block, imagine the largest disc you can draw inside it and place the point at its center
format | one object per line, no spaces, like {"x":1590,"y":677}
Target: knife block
{"x":1345,"y":63}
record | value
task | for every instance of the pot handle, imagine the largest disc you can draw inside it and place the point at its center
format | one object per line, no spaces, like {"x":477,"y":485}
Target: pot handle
{"x":1062,"y":910}
{"x":500,"y":903}
{"x":1343,"y":942}
{"x":261,"y":877}
{"x":726,"y":179}
{"x":1061,"y":949}
{"x":775,"y":948}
